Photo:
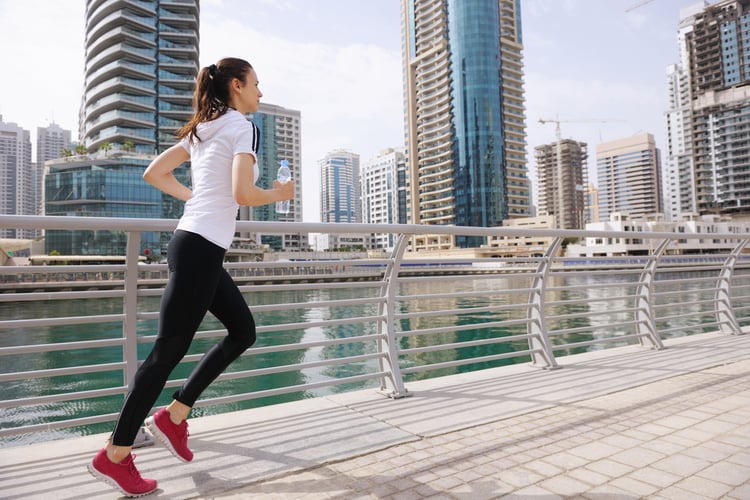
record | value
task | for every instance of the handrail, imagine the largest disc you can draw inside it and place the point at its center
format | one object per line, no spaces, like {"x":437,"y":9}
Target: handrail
{"x":326,"y":323}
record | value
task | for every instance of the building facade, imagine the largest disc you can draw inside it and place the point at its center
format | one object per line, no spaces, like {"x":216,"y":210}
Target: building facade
{"x":106,"y":185}
{"x":280,"y":139}
{"x":18,"y":193}
{"x":339,"y":187}
{"x":628,"y":177}
{"x":708,"y":160}
{"x":562,"y":197}
{"x":464,"y":112}
{"x":340,"y":199}
{"x":52,"y":142}
{"x":141,"y":65}
{"x":380,"y":194}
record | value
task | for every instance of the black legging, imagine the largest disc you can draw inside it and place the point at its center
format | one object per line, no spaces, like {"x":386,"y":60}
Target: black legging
{"x":197,"y":283}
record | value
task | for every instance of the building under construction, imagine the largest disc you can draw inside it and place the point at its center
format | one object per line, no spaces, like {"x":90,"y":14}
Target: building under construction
{"x":561,"y":177}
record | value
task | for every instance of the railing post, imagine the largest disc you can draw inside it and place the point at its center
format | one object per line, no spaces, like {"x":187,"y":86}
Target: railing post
{"x":130,"y":323}
{"x":723,"y":301}
{"x":389,"y":363}
{"x":644,"y":311}
{"x":537,"y":325}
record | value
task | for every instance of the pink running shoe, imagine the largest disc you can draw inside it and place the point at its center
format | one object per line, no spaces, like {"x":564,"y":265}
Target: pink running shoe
{"x":174,"y":437}
{"x":123,"y":476}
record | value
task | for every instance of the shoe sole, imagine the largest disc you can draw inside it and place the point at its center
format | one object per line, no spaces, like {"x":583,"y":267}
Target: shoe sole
{"x":111,"y":482}
{"x":163,"y":439}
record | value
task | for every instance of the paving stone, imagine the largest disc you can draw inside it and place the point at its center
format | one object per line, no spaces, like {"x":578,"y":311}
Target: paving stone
{"x":727,"y":473}
{"x":565,"y":485}
{"x":702,"y":486}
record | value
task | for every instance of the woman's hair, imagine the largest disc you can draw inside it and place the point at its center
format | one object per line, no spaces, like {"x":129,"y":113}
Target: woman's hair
{"x":211,"y":96}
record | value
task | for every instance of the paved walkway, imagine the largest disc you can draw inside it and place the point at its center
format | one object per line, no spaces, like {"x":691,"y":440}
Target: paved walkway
{"x":623,"y":423}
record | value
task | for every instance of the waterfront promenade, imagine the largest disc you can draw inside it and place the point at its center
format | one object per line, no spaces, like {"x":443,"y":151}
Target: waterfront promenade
{"x":621,"y":423}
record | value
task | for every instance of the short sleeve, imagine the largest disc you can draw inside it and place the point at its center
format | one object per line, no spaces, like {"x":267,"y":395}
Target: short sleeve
{"x":247,"y":140}
{"x":185,"y":143}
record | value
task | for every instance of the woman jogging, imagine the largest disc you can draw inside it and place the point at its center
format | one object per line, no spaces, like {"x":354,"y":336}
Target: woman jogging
{"x":221,"y":145}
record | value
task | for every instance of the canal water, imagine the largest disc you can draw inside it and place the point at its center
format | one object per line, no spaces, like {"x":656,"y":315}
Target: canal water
{"x":597,"y":318}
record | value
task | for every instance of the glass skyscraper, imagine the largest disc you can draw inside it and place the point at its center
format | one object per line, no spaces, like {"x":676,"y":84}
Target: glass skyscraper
{"x":465,"y":122}
{"x":141,"y":65}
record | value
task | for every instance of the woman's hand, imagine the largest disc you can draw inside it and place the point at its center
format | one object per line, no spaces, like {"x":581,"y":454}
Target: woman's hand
{"x":285,"y":189}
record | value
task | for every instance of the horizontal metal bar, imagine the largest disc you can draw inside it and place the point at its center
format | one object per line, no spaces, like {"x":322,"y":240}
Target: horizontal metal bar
{"x":460,"y":312}
{"x":480,"y":359}
{"x":460,"y":295}
{"x":67,"y":295}
{"x":462,"y":328}
{"x":56,"y":372}
{"x":68,"y":320}
{"x":600,"y":340}
{"x":60,"y":346}
{"x":460,"y":345}
{"x":66,"y":396}
{"x":290,"y":389}
{"x":60,"y":424}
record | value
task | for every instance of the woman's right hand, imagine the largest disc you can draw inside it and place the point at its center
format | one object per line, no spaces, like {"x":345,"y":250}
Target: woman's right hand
{"x":285,"y":189}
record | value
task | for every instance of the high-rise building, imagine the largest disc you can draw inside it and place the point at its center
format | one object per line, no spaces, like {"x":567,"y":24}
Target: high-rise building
{"x":708,"y":159}
{"x":280,"y":139}
{"x":562,"y":176}
{"x":17,"y":193}
{"x":51,"y":142}
{"x":340,"y":199}
{"x":380,"y":194}
{"x":628,"y":177}
{"x":339,"y":187}
{"x":141,"y":65}
{"x":464,"y":116}
{"x":591,"y":205}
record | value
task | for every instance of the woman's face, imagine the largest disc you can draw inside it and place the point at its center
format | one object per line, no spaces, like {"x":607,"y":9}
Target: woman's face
{"x":247,"y":97}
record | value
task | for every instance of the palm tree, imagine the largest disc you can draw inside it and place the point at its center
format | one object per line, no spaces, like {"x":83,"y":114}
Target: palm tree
{"x":128,"y":146}
{"x":106,"y":147}
{"x":81,"y":150}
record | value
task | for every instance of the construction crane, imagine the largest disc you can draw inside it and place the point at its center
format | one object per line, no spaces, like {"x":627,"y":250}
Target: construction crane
{"x":635,"y":6}
{"x":560,"y":194}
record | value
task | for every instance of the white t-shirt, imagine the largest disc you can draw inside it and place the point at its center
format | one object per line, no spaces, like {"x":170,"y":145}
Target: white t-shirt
{"x":212,"y":210}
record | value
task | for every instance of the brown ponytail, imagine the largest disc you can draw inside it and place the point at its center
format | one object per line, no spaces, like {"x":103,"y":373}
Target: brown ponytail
{"x":212,"y":92}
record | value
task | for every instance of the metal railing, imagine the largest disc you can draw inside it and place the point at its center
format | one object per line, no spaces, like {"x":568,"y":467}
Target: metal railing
{"x":328,"y":323}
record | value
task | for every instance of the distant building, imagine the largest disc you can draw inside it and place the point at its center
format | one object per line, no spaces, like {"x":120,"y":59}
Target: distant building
{"x":18,"y":186}
{"x":693,"y":224}
{"x":339,"y":187}
{"x":591,"y":204}
{"x":706,"y":166}
{"x":340,"y":199}
{"x":380,"y":194}
{"x":106,"y":185}
{"x":529,"y":245}
{"x":465,"y":120}
{"x":629,"y":177}
{"x":280,"y":139}
{"x":561,"y":177}
{"x":51,"y":141}
{"x":141,"y":65}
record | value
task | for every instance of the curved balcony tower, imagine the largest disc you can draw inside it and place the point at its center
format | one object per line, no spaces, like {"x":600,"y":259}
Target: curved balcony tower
{"x":141,"y":65}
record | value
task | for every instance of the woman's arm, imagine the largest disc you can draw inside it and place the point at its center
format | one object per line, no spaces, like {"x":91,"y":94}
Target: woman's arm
{"x":160,"y":172}
{"x":245,"y":191}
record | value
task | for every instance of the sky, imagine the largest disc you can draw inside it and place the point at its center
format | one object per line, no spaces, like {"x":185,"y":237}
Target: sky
{"x":597,"y":66}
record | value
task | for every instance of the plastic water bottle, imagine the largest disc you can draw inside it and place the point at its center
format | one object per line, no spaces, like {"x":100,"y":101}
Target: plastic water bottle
{"x":283,"y":175}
